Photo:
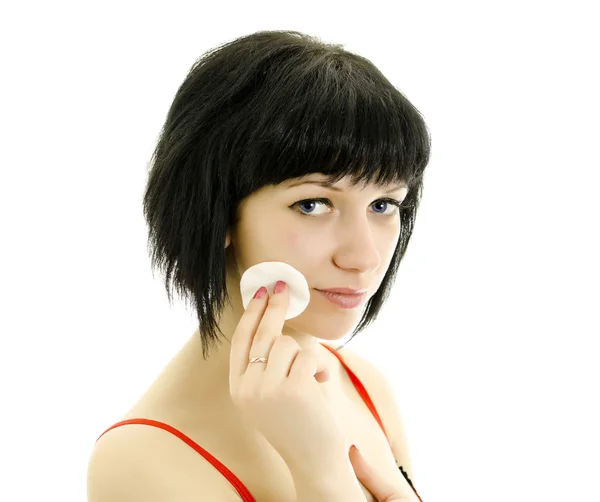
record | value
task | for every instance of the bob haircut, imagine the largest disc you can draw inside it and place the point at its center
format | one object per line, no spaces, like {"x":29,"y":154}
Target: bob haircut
{"x":257,"y":111}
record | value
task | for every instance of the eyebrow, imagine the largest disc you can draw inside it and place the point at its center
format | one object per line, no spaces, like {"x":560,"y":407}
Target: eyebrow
{"x":329,"y":185}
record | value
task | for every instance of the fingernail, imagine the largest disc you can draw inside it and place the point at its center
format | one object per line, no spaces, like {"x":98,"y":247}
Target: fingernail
{"x":262,"y":291}
{"x":353,"y":448}
{"x":279,"y":287}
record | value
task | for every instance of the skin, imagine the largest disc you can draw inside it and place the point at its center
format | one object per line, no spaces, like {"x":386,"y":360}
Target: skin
{"x":349,"y":244}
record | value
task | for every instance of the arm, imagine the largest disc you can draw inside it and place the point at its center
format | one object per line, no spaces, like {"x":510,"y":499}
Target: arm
{"x":118,"y":471}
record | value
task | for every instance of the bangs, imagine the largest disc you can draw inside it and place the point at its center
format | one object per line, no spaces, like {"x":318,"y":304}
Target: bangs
{"x":338,"y":117}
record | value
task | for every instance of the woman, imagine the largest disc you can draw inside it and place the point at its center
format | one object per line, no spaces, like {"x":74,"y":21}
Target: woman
{"x":277,"y":147}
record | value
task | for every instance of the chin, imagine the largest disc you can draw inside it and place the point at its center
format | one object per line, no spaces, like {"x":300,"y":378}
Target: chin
{"x":331,"y":328}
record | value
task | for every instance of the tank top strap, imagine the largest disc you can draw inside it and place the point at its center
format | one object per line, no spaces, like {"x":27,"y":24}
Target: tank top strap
{"x":360,"y":388}
{"x":369,"y":402}
{"x":232,"y":478}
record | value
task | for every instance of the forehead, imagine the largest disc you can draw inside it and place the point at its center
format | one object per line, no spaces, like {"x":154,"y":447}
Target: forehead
{"x":327,"y":182}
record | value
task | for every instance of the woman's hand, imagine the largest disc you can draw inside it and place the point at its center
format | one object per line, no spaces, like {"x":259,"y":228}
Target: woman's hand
{"x":282,"y":398}
{"x":380,"y":488}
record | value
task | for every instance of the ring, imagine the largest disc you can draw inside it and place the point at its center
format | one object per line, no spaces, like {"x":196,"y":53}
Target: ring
{"x":258,"y":360}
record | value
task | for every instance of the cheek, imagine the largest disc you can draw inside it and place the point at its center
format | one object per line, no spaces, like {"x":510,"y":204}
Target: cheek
{"x":292,"y":240}
{"x":298,"y":243}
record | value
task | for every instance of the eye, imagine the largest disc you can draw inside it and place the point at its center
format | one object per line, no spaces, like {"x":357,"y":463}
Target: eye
{"x":311,"y":203}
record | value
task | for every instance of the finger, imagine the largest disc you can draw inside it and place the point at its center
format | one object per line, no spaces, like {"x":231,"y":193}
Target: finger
{"x":309,"y":363}
{"x":241,"y":340}
{"x":287,"y":360}
{"x":382,"y":490}
{"x":282,"y":356}
{"x":270,"y":326}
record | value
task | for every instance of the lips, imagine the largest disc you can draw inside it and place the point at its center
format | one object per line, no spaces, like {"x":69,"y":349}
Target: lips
{"x":344,"y":301}
{"x":345,"y":291}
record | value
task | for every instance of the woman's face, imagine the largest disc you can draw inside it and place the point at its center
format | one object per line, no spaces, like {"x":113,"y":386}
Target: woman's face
{"x":348,"y":244}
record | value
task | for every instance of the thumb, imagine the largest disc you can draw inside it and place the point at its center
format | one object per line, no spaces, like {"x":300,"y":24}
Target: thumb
{"x":380,"y":488}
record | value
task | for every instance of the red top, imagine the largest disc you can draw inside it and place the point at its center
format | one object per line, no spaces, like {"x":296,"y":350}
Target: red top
{"x":233,"y":479}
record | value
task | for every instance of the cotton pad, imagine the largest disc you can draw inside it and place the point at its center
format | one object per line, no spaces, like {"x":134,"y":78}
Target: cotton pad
{"x":267,"y":274}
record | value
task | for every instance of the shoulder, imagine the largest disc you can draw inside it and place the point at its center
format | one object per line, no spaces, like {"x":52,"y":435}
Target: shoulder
{"x":362,"y":363}
{"x":373,"y":378}
{"x":119,"y":470}
{"x":384,"y":398}
{"x":133,"y":463}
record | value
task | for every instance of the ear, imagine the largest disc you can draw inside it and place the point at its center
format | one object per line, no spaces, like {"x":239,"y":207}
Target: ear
{"x":227,"y":239}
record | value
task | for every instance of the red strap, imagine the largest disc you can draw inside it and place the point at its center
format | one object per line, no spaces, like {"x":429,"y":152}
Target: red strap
{"x":366,"y":398}
{"x":361,"y":390}
{"x":233,"y":479}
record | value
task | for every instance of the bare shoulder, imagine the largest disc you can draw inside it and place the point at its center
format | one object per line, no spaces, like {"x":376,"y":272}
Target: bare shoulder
{"x":136,"y":463}
{"x":378,"y":386}
{"x":367,"y":371}
{"x":381,"y":391}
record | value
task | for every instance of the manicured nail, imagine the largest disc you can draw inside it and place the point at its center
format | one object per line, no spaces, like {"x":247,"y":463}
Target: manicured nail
{"x":262,"y":291}
{"x":279,"y":287}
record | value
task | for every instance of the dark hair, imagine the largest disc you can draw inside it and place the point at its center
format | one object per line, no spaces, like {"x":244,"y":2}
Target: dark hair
{"x":257,"y":111}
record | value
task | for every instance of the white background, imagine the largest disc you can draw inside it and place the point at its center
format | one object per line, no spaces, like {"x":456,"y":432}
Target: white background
{"x":490,"y":336}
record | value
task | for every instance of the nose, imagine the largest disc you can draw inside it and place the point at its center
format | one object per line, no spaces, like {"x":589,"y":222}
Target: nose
{"x":357,"y":249}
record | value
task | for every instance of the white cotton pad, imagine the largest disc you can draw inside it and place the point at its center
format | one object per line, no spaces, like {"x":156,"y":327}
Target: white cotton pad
{"x":267,"y":274}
